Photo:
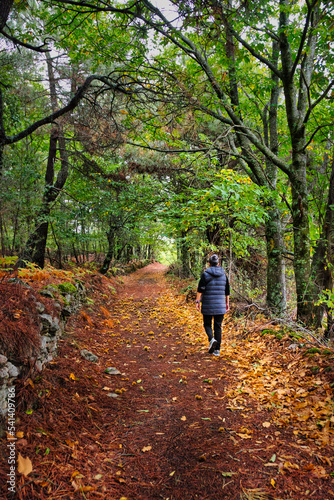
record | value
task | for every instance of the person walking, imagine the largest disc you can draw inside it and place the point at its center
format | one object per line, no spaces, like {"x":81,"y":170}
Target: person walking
{"x":213,"y":293}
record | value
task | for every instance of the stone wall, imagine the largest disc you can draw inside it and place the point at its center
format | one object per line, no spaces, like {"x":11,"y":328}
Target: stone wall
{"x":51,"y":328}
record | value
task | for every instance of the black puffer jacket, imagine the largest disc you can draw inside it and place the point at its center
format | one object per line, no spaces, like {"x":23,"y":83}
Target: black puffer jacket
{"x":213,"y":298}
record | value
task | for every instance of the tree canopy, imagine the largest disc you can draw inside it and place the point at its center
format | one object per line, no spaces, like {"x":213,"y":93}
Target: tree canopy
{"x":196,"y":125}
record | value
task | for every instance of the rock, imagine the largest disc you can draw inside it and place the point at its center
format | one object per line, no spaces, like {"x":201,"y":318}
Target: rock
{"x":66,"y":311}
{"x":47,"y":322}
{"x":55,"y":324}
{"x":40,"y":307}
{"x":3,"y":360}
{"x":19,"y":282}
{"x":4,"y":372}
{"x":112,"y":371}
{"x":50,"y":325}
{"x":89,"y":356}
{"x":43,"y":342}
{"x":13,"y":371}
{"x":39,"y":365}
{"x":47,"y":293}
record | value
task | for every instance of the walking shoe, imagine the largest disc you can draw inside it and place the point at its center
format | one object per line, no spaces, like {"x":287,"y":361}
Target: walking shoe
{"x":216,"y":353}
{"x":212,"y":345}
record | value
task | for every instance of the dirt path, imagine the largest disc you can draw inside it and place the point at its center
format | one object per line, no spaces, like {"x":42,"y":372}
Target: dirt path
{"x":173,"y":424}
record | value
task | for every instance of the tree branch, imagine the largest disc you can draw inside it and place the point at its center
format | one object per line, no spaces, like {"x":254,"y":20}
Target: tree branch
{"x":24,"y":44}
{"x":302,"y":41}
{"x":250,"y":49}
{"x":60,"y":112}
{"x":320,"y":98}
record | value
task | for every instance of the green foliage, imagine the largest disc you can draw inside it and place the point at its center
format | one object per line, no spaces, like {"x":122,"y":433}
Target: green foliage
{"x":189,"y":176}
{"x":327,"y":297}
{"x":67,"y":288}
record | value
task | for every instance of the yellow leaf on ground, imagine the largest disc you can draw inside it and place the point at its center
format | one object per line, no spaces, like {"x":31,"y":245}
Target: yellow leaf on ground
{"x":20,"y":434}
{"x":147,"y":448}
{"x":266,"y":424}
{"x":183,"y":418}
{"x":74,"y":474}
{"x":244,"y":436}
{"x":24,"y":465}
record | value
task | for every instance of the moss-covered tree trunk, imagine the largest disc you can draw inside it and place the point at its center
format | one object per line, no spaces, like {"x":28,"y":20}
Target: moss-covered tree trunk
{"x":297,"y":113}
{"x":276,"y":296}
{"x":276,"y":292}
{"x":323,"y":258}
{"x":305,"y":290}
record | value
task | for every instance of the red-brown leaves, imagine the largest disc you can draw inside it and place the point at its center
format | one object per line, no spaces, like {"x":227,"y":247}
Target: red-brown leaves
{"x":19,"y":321}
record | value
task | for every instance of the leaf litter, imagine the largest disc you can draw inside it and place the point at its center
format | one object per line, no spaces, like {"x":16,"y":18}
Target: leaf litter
{"x":255,"y":423}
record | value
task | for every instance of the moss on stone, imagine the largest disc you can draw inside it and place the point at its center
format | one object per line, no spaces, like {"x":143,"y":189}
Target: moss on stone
{"x":67,"y":288}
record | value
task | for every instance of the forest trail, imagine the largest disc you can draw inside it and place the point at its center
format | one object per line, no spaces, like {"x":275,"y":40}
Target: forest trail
{"x":176,"y":423}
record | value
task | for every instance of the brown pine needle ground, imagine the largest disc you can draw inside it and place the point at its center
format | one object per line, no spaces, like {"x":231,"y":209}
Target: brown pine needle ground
{"x":176,"y":423}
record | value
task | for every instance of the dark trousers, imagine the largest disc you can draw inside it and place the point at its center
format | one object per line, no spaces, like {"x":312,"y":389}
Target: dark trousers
{"x":217,"y":327}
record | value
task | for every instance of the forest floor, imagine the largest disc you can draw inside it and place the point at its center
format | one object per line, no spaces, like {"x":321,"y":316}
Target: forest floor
{"x":176,"y":423}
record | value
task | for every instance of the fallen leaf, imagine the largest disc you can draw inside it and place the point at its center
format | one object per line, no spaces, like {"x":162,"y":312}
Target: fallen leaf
{"x":184,"y":418}
{"x":20,"y":434}
{"x":244,"y":436}
{"x":288,"y":465}
{"x":272,"y":482}
{"x":146,"y":448}
{"x":266,"y":424}
{"x":74,"y":474}
{"x":24,"y":465}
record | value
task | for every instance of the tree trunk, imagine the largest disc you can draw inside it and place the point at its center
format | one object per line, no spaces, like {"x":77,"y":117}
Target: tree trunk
{"x":305,"y":290}
{"x":322,"y":264}
{"x":184,"y":255}
{"x":110,"y":254}
{"x":276,"y":292}
{"x":5,"y":8}
{"x":296,"y":105}
{"x":276,"y":297}
{"x":35,"y":247}
{"x":2,"y":235}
